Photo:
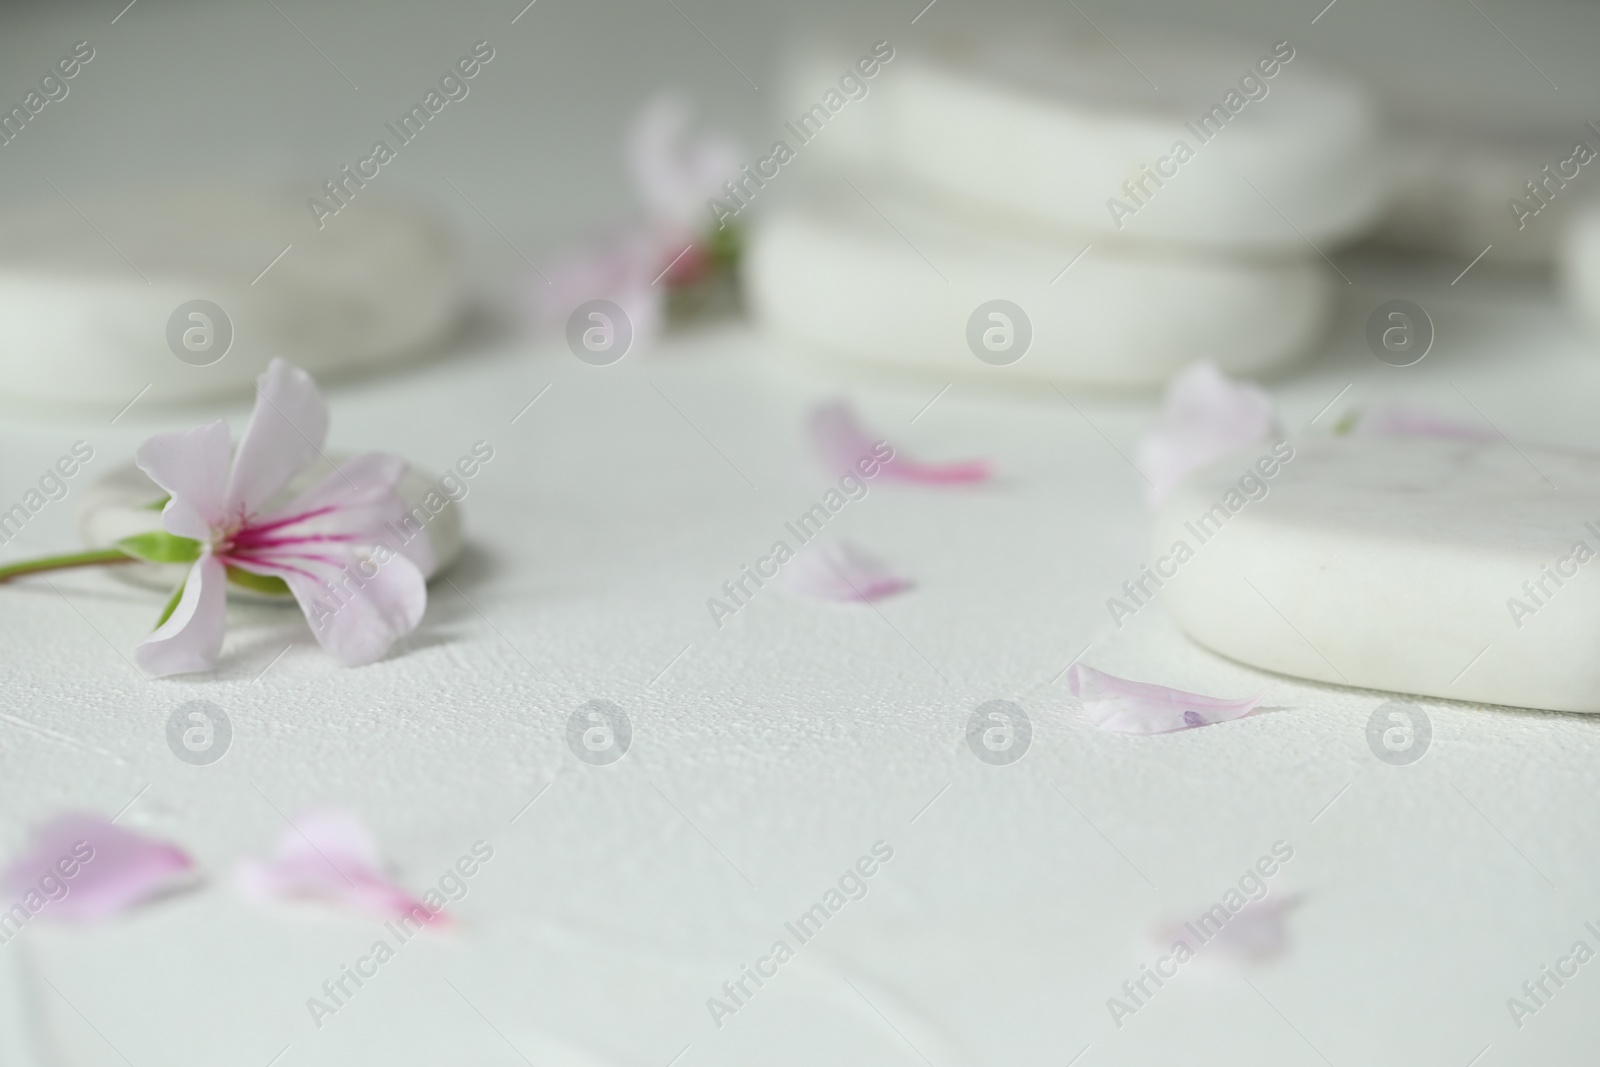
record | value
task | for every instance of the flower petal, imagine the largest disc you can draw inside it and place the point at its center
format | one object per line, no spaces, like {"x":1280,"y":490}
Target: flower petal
{"x":192,"y":466}
{"x":845,"y":445}
{"x":191,"y":638}
{"x":356,"y":505}
{"x":1206,"y":417}
{"x":359,"y":609}
{"x":841,"y":572}
{"x":619,"y":269}
{"x":329,"y":856}
{"x":1127,"y":707}
{"x":286,"y":433}
{"x":113,"y":869}
{"x":1256,"y":934}
{"x":1396,"y":421}
{"x":674,"y":174}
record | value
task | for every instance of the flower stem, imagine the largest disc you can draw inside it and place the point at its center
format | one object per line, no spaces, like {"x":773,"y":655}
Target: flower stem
{"x":95,"y":558}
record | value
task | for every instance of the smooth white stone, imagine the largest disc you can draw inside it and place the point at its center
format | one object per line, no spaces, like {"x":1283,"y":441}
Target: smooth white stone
{"x":844,"y":281}
{"x":117,"y":506}
{"x":80,"y":325}
{"x":1050,"y":127}
{"x":1579,"y":271}
{"x":1391,"y":563}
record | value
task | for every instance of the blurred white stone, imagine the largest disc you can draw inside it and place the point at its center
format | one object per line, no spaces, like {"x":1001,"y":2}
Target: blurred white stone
{"x":87,"y":300}
{"x":902,"y":294}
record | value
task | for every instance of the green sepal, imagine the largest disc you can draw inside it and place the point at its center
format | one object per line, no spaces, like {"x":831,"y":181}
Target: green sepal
{"x":259,"y":583}
{"x":172,"y":605}
{"x":158,"y":546}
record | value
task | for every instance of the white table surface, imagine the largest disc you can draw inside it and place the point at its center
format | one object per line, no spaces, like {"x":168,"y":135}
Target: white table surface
{"x":776,"y":750}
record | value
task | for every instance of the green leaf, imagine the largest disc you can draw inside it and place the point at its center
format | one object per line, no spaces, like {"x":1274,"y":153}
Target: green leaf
{"x":172,"y":605}
{"x":260,"y":583}
{"x":158,"y":546}
{"x":157,"y":505}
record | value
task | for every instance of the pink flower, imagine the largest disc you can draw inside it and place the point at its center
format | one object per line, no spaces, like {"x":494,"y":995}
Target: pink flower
{"x":1128,"y":707}
{"x":328,"y":545}
{"x":82,"y":868}
{"x":841,"y":572}
{"x":844,"y":444}
{"x":622,"y":269}
{"x":329,"y":856}
{"x":1206,"y":416}
{"x":675,"y":174}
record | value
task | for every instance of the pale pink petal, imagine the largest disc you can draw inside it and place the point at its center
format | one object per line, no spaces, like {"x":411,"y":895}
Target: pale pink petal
{"x":286,"y":433}
{"x":841,"y":572}
{"x":1206,"y":416}
{"x":621,"y":269}
{"x":354,"y":507}
{"x":1127,"y":707}
{"x":845,"y":446}
{"x":192,"y":466}
{"x":111,"y":869}
{"x":191,"y":638}
{"x":1398,"y":421}
{"x":360,"y":609}
{"x":674,"y":173}
{"x":1257,"y":933}
{"x":329,"y":857}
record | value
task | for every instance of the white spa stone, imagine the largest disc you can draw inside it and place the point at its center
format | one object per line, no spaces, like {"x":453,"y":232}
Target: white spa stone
{"x":1050,"y":127}
{"x":118,"y":506}
{"x":898,"y":290}
{"x":1444,"y":568}
{"x":1579,"y":266}
{"x":81,"y":325}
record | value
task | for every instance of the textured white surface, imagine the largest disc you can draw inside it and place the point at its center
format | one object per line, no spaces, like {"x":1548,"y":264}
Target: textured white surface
{"x":779,"y":748}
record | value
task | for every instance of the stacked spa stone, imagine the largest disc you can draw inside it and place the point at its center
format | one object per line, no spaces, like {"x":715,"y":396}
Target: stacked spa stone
{"x":1061,"y":210}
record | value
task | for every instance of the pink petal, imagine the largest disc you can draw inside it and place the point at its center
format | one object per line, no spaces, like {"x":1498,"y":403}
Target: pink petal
{"x":113,"y":869}
{"x":1255,"y":934}
{"x":676,"y":175}
{"x":841,"y":572}
{"x":356,"y":505}
{"x":847,"y":447}
{"x":1127,"y":707}
{"x":192,"y":466}
{"x":1206,"y":416}
{"x":1398,"y":421}
{"x":357,"y":617}
{"x":621,"y":269}
{"x":191,"y":638}
{"x":356,"y":570}
{"x":330,"y":857}
{"x":286,"y":433}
